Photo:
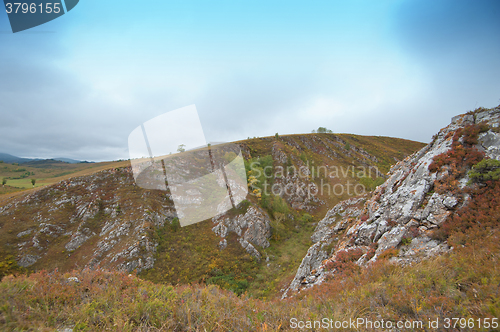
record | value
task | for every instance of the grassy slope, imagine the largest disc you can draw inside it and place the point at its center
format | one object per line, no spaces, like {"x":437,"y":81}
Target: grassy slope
{"x":463,"y":283}
{"x":191,"y":254}
{"x":46,"y":174}
{"x":465,"y":286}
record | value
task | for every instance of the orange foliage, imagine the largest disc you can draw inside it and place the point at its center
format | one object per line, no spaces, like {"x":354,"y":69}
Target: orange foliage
{"x":462,"y":155}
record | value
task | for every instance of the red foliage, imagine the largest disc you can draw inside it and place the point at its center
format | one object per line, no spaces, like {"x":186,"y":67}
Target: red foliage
{"x":345,"y":260}
{"x":371,"y":252}
{"x":462,"y":155}
{"x":482,"y":212}
{"x":391,"y":222}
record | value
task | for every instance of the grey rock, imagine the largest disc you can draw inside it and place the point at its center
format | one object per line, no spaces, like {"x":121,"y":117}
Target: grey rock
{"x":450,"y":202}
{"x":27,"y":232}
{"x":28,"y":260}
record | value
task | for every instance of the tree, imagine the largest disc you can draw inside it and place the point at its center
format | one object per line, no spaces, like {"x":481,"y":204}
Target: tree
{"x":4,"y":181}
{"x":322,"y":130}
{"x":33,"y":181}
{"x":181,"y":148}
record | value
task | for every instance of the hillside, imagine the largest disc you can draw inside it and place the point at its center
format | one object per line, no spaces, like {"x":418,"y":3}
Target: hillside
{"x":104,"y":220}
{"x":18,"y":177}
{"x":417,"y":252}
{"x":411,"y":215}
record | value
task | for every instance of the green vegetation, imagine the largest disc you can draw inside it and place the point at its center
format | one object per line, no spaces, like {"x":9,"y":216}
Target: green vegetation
{"x":370,"y":183}
{"x":322,"y":130}
{"x":485,"y":170}
{"x":191,"y":254}
{"x":465,"y":285}
{"x":231,"y":291}
{"x":47,"y":172}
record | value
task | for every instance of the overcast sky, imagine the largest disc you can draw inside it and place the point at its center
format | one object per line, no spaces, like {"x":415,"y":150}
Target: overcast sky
{"x":77,"y":86}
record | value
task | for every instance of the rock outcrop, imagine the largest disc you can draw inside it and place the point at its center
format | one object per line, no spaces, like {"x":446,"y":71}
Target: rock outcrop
{"x":253,"y":229}
{"x":105,"y":221}
{"x":401,"y":213}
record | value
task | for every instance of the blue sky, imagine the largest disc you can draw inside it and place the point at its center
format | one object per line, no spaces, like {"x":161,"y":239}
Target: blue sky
{"x":77,"y":86}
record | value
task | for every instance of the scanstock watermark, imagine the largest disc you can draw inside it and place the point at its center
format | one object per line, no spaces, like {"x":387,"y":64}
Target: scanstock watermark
{"x":25,"y":15}
{"x":358,"y":323}
{"x":169,"y":152}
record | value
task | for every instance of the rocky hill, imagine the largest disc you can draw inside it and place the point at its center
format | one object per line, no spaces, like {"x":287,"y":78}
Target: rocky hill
{"x":104,"y":220}
{"x":418,"y":251}
{"x":405,"y":219}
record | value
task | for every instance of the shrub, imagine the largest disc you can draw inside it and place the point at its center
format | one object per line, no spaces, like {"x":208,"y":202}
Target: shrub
{"x":485,"y":170}
{"x":406,"y":241}
{"x":371,"y":251}
{"x":391,"y":252}
{"x":345,"y":261}
{"x":459,"y":158}
{"x":370,"y":183}
{"x":306,"y":217}
{"x":480,"y":213}
{"x":279,"y":205}
{"x":175,"y":225}
{"x":391,"y":222}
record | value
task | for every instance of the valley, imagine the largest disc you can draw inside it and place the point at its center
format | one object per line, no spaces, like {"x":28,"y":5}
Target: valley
{"x":418,"y":243}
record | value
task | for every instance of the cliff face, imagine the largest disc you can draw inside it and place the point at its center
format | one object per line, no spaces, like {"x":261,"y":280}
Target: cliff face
{"x":400,"y":217}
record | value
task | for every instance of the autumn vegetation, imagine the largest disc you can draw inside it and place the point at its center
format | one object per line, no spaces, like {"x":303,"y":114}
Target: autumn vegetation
{"x":462,"y":283}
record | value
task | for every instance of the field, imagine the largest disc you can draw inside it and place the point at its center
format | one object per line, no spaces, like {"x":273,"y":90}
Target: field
{"x":47,"y":172}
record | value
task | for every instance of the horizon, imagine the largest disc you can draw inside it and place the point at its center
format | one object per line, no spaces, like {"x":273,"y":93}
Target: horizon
{"x":242,"y":140}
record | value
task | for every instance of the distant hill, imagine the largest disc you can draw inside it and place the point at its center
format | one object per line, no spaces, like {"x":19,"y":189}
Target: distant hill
{"x":68,"y":160}
{"x":8,"y":158}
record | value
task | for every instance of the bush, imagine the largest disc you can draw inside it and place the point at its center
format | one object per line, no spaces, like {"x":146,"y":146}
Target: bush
{"x":323,"y":130}
{"x":306,"y":217}
{"x":480,"y":213}
{"x":370,"y":183}
{"x":279,"y":205}
{"x":459,"y":158}
{"x":485,"y":170}
{"x":391,"y":252}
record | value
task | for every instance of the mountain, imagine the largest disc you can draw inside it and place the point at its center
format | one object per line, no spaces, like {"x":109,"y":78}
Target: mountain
{"x":104,"y":220}
{"x":409,"y":216}
{"x":68,"y":160}
{"x":7,"y":158}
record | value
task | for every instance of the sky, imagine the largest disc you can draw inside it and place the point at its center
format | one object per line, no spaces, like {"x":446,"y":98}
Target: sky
{"x":77,"y":86}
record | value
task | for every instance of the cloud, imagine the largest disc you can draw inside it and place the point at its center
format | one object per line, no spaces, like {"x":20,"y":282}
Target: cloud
{"x":394,"y":69}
